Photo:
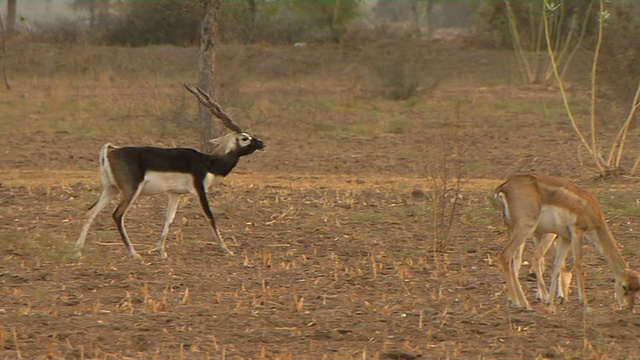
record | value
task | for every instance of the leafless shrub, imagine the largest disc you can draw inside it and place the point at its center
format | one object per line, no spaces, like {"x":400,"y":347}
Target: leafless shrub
{"x":171,"y":120}
{"x":402,"y":77}
{"x":398,"y":77}
{"x":445,"y":178}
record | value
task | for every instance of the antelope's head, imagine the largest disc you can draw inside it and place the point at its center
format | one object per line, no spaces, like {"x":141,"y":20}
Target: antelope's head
{"x":626,"y":288}
{"x":237,"y":141}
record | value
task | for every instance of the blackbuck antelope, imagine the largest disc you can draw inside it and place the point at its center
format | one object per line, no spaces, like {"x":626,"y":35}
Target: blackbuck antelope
{"x":536,"y":205}
{"x":136,"y":171}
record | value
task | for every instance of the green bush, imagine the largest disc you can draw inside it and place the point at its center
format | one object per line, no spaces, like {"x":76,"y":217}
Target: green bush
{"x":143,"y":22}
{"x":155,"y":22}
{"x":492,"y":24}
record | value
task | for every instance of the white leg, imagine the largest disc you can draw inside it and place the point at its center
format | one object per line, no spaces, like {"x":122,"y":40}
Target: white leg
{"x":541,"y":249}
{"x":562,"y":248}
{"x":172,"y":208}
{"x":108,"y":194}
{"x":565,"y":283}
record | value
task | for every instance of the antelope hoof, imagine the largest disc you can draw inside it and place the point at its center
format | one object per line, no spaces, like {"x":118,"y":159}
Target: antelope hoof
{"x":160,"y":252}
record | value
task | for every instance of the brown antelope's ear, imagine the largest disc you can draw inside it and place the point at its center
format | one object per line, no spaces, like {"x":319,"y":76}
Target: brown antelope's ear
{"x":214,"y":108}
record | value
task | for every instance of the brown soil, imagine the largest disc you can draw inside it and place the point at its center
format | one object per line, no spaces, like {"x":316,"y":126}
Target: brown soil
{"x":334,"y":255}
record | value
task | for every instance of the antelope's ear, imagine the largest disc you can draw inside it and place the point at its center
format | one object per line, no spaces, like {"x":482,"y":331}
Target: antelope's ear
{"x":217,"y":141}
{"x":230,"y":146}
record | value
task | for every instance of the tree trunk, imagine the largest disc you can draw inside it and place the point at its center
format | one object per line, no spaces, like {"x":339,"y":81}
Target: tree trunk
{"x":12,"y":8}
{"x":206,"y":71}
{"x":252,"y":9}
{"x":427,"y":29}
{"x":3,"y":47}
{"x":422,"y":17}
{"x":416,"y":17}
{"x":92,"y":16}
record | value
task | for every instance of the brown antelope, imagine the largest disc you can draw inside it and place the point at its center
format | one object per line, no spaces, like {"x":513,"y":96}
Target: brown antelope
{"x":537,"y":205}
{"x":142,"y":171}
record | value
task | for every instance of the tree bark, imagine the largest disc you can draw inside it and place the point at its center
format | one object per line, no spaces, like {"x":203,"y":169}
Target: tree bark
{"x":427,"y":28}
{"x":3,"y":47}
{"x":209,"y":128}
{"x":416,"y":17}
{"x":422,"y":17}
{"x":252,"y":9}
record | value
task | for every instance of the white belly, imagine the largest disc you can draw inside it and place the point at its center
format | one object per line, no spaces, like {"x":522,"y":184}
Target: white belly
{"x":555,"y":220}
{"x":167,"y":182}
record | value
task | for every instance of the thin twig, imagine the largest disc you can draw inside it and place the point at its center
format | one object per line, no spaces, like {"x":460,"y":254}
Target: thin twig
{"x":622,"y":134}
{"x":580,"y":38}
{"x":594,"y":68}
{"x":565,"y":98}
{"x":15,"y":340}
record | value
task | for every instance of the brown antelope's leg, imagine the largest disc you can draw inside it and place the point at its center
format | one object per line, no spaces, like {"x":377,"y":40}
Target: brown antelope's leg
{"x":576,"y":247}
{"x":517,"y":259}
{"x":518,"y":235}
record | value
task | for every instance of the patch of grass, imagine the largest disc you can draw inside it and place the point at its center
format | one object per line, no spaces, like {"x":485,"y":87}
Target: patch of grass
{"x":108,"y":112}
{"x":385,"y":214}
{"x":412,"y":254}
{"x":366,"y":218}
{"x":399,"y":125}
{"x":227,"y":204}
{"x":84,"y":201}
{"x":412,"y":102}
{"x":536,"y":108}
{"x":617,"y":202}
{"x":44,"y":246}
{"x":631,"y":249}
{"x":483,"y":216}
{"x":4,"y":211}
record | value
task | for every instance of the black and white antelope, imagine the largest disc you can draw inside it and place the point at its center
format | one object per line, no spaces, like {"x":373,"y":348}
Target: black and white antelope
{"x":141,"y":171}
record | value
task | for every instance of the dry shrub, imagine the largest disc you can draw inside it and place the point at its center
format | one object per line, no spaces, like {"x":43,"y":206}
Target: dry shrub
{"x":402,"y":76}
{"x":446,"y":175}
{"x":398,"y":76}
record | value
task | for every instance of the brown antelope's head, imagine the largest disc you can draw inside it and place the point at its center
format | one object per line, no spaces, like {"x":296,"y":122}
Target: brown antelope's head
{"x":626,"y":288}
{"x":238,"y":141}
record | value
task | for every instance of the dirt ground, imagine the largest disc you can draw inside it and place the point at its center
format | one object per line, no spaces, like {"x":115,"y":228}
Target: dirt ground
{"x":335,"y":255}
